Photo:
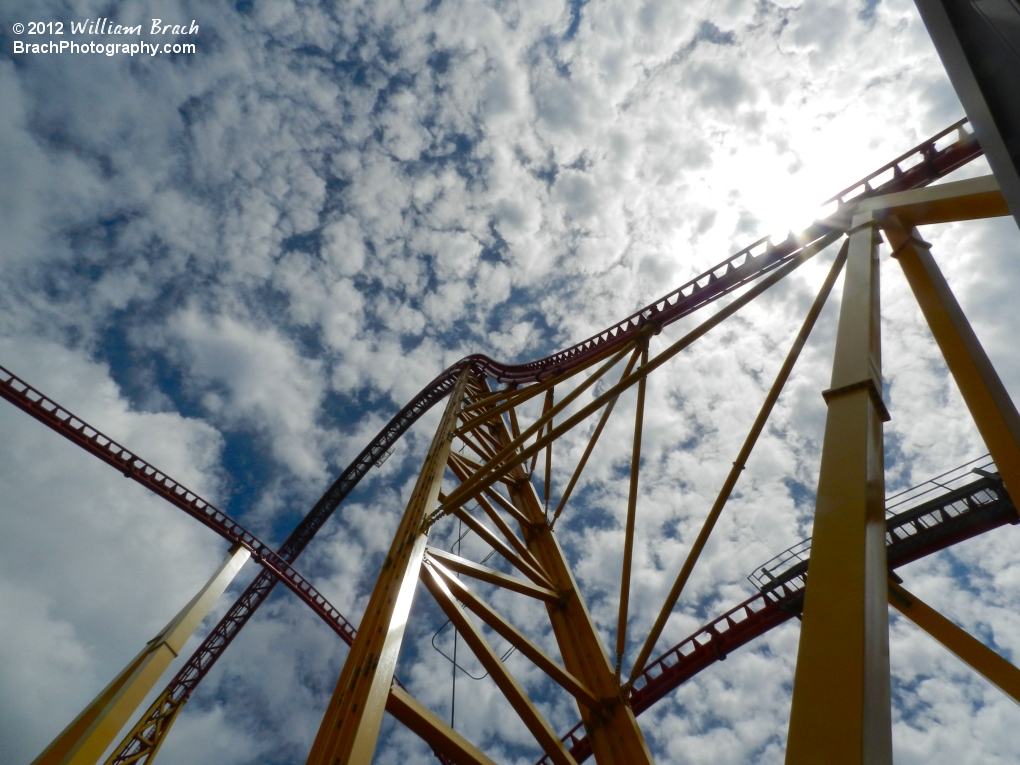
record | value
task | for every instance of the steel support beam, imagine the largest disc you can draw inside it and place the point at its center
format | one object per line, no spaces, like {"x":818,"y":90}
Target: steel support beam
{"x":514,"y":636}
{"x":841,"y":699}
{"x":612,"y":729}
{"x":91,"y":733}
{"x":441,"y":737}
{"x":970,"y":199}
{"x":511,"y":456}
{"x":606,"y":413}
{"x":738,"y":465}
{"x":990,"y":405}
{"x":628,"y":537}
{"x":611,"y":726}
{"x":507,"y":684}
{"x":491,"y":576}
{"x":960,"y":643}
{"x":350,"y":726}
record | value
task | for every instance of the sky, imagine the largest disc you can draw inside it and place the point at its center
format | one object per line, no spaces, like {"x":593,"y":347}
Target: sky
{"x":241,"y":262}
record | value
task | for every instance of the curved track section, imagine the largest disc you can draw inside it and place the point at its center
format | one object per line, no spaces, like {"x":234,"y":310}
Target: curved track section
{"x":962,"y":513}
{"x":917,"y":167}
{"x":76,"y":430}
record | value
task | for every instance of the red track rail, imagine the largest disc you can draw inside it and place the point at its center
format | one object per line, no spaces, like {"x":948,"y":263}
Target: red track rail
{"x":711,"y":643}
{"x":968,"y":511}
{"x":916,"y":168}
{"x":79,"y":432}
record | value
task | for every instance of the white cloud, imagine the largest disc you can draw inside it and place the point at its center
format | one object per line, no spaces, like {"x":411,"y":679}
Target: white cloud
{"x":268,"y":386}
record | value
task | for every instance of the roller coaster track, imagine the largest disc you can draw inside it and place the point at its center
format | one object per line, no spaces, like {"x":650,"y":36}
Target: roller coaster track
{"x":960,"y":514}
{"x":79,"y":432}
{"x":929,"y":161}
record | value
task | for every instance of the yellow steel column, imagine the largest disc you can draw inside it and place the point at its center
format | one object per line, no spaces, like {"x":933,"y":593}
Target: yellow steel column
{"x":990,"y":405}
{"x":841,"y":705}
{"x":966,"y":647}
{"x":738,"y":465}
{"x":350,"y":727}
{"x":87,"y":737}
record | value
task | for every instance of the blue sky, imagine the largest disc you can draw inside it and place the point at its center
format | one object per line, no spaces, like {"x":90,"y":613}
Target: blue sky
{"x":241,"y":262}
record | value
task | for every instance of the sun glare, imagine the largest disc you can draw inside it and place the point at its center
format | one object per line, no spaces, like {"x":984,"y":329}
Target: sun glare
{"x":785,"y":189}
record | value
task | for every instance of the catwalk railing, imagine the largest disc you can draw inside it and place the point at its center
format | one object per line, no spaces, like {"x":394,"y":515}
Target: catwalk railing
{"x":925,"y":519}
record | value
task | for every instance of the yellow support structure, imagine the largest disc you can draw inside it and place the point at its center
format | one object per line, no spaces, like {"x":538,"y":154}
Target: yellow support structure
{"x":972,"y":199}
{"x":628,"y":539}
{"x":841,"y":701}
{"x":612,"y":727}
{"x":841,"y":711}
{"x":841,"y":697}
{"x":350,"y":727}
{"x":738,"y":465}
{"x":990,"y":405}
{"x":510,"y":687}
{"x":436,"y":733}
{"x":91,"y":733}
{"x":963,"y":645}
